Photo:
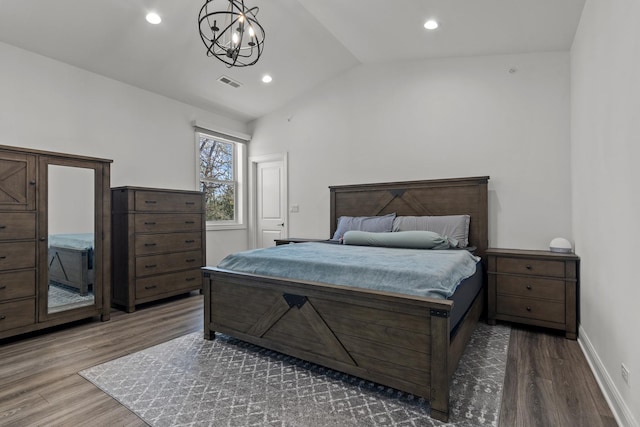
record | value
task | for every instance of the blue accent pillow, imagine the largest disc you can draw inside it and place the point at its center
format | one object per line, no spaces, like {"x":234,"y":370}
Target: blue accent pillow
{"x":374,"y":224}
{"x":399,"y":239}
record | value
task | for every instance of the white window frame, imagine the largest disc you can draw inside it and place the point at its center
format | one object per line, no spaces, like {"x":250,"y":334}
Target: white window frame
{"x":239,"y":179}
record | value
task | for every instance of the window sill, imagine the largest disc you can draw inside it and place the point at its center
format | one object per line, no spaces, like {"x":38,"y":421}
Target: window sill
{"x":224,"y":227}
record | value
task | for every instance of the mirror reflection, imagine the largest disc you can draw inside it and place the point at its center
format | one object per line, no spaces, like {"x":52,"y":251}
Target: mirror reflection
{"x":71,"y":237}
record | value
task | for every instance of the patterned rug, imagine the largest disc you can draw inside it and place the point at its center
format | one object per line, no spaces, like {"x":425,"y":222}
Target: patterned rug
{"x":226,"y":382}
{"x":63,"y":298}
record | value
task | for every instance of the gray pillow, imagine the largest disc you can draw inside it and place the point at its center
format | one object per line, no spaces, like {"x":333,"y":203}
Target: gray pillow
{"x":452,"y":226}
{"x":400,"y":239}
{"x":375,"y":224}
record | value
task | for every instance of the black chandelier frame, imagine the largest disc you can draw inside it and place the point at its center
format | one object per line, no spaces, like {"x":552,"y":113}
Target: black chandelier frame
{"x":232,"y":35}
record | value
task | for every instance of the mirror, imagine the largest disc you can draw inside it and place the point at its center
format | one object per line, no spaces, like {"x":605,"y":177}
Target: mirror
{"x":71,"y":236}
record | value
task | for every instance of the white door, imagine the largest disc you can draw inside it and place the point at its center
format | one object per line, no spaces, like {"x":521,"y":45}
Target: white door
{"x":271,"y":202}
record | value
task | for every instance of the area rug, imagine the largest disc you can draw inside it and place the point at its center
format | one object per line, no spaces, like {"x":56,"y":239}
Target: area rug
{"x":226,"y":382}
{"x":63,"y":298}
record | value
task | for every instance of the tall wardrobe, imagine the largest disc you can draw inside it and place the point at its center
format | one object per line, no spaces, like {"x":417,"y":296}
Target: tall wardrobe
{"x":55,"y":239}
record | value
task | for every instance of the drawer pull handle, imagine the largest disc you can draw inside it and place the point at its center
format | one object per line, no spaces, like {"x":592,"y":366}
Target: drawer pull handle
{"x":151,"y":202}
{"x":150,"y":287}
{"x":150,"y":244}
{"x":529,"y":287}
{"x":149,"y":223}
{"x":151,"y":266}
{"x":189,"y":222}
{"x":189,"y":279}
{"x":189,"y":241}
{"x":3,"y":257}
{"x":191,"y":260}
{"x":190,"y":203}
{"x":528,"y":267}
{"x":3,"y":287}
{"x":528,"y":308}
{"x":3,"y":227}
{"x":2,"y":317}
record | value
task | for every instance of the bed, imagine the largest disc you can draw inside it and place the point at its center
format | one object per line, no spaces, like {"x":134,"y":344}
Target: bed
{"x":71,"y":261}
{"x":411,"y":343}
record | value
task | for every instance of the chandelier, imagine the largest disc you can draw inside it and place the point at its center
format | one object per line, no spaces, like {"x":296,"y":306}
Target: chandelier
{"x":232,"y":33}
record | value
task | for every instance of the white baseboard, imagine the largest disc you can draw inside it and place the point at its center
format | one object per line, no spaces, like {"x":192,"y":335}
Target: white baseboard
{"x":618,"y":406}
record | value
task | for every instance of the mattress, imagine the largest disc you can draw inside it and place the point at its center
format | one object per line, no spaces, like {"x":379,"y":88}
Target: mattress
{"x":463,"y":297}
{"x":426,"y":273}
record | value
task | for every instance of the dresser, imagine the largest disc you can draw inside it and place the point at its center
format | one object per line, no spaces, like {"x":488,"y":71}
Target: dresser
{"x":44,"y":195}
{"x":533,"y":287}
{"x":158,"y":244}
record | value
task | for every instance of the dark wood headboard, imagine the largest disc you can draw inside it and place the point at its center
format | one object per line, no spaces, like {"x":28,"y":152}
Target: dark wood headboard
{"x":455,"y":196}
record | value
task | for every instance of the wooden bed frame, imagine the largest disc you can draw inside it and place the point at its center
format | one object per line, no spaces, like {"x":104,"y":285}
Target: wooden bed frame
{"x":400,"y":341}
{"x":71,"y":267}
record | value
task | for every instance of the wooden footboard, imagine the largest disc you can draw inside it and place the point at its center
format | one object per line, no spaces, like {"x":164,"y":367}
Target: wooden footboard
{"x":398,"y":341}
{"x":70,"y":267}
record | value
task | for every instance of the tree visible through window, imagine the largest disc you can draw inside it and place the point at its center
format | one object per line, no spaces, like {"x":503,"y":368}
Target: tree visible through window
{"x":218,"y":178}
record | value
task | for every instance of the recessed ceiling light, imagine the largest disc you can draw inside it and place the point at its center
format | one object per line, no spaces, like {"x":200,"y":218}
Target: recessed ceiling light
{"x":153,"y":18}
{"x":266,"y":78}
{"x":431,"y":24}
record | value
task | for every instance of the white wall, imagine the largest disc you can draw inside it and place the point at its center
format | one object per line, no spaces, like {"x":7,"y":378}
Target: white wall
{"x":435,"y":119}
{"x":48,"y":105}
{"x":605,"y":143}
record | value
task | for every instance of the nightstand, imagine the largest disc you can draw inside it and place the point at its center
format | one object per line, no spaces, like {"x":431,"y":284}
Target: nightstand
{"x":533,"y":287}
{"x":286,"y":241}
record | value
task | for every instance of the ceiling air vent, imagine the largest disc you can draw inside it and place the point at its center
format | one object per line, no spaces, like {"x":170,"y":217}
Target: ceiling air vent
{"x":229,"y":81}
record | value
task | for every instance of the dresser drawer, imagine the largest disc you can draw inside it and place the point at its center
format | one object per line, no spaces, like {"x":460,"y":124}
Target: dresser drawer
{"x":17,"y":313}
{"x":550,"y":311}
{"x":158,"y":223}
{"x":157,"y":285}
{"x":17,"y":255}
{"x":17,"y":284}
{"x":531,"y":267}
{"x":157,"y":201}
{"x":16,"y":226}
{"x":531,"y":287}
{"x":147,"y":244}
{"x":158,"y":264}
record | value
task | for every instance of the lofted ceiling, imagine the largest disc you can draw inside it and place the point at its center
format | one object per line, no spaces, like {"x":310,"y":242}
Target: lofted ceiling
{"x":307,"y":41}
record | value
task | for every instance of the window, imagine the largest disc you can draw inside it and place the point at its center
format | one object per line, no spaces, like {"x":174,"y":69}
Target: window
{"x":220,"y":178}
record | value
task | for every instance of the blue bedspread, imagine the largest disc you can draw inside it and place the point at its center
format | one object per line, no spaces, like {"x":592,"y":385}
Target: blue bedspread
{"x":429,"y":273}
{"x":72,"y":241}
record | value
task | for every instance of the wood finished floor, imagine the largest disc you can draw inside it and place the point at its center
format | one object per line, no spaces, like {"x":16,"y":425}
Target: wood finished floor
{"x":548,"y":381}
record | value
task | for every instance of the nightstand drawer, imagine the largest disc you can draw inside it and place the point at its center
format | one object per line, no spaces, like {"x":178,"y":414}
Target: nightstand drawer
{"x":549,"y":311}
{"x":531,"y":287}
{"x":534,"y":267}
